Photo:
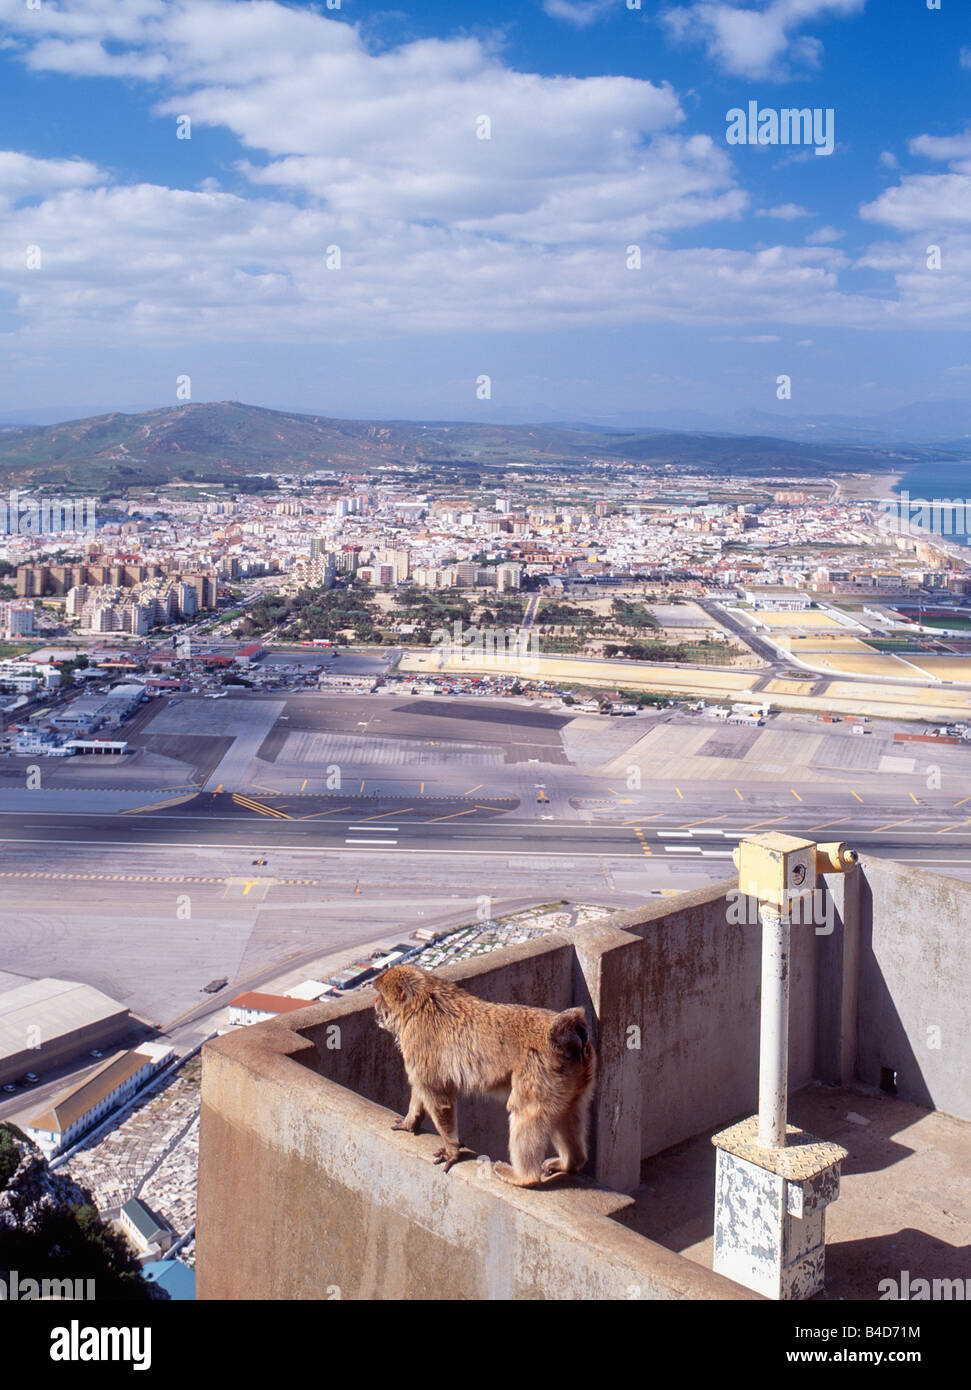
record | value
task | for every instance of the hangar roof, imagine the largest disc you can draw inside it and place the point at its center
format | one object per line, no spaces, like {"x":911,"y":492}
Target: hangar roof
{"x":49,"y":1008}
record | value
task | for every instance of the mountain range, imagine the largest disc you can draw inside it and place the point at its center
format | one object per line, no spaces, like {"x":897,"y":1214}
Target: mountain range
{"x":227,"y":441}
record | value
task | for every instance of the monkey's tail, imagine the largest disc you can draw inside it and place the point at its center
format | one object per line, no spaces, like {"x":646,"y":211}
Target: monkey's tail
{"x":569,"y":1035}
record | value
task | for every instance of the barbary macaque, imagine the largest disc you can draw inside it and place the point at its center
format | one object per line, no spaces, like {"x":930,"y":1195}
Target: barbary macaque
{"x":453,"y":1043}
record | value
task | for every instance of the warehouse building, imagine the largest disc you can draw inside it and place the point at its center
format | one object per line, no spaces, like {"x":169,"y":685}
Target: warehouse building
{"x":45,"y":1023}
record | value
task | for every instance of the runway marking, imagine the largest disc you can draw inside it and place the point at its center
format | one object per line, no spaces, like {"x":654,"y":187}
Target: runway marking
{"x":963,"y":825}
{"x":316,"y":815}
{"x":653,"y":816}
{"x":706,"y":821}
{"x":157,"y":805}
{"x":795,"y":794}
{"x":383,"y":815}
{"x":451,"y":817}
{"x":421,"y":790}
{"x":476,"y":788}
{"x":892,"y":823}
{"x":250,"y":805}
{"x":764,"y":822}
{"x":643,"y":843}
{"x":304,"y":784}
{"x":961,"y":803}
{"x":913,"y":798}
{"x":361,"y":788}
{"x":823,"y":824}
{"x":738,"y":793}
{"x":859,"y":798}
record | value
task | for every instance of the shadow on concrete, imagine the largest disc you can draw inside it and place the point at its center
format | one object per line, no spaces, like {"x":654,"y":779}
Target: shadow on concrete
{"x":883,"y":1177}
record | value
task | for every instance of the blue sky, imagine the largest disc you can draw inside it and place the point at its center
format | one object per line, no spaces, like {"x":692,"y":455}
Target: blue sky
{"x":358,"y":128}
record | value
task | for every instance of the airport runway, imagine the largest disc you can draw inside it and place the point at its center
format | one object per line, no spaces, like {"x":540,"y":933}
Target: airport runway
{"x":454,"y":827}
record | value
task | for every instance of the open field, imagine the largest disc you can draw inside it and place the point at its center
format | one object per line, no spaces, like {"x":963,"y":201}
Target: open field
{"x":841,"y":697}
{"x":900,"y":702}
{"x":601,"y":674}
{"x":797,"y":621}
{"x":945,"y":668}
{"x":873,"y":665}
{"x":784,"y":687}
{"x":825,"y":642}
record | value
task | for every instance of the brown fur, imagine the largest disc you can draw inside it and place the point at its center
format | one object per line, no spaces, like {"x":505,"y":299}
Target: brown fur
{"x":453,"y":1043}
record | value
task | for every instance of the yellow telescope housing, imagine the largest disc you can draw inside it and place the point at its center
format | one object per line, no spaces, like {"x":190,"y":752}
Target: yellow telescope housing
{"x":777,"y":868}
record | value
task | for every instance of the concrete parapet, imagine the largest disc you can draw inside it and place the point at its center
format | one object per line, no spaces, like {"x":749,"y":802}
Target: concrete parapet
{"x":306,"y":1193}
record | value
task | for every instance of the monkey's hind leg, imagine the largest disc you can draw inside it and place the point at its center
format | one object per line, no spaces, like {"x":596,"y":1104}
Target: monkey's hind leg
{"x":529,"y":1138}
{"x":570,"y":1139}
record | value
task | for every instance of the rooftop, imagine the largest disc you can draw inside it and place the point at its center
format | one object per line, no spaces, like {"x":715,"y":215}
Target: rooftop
{"x":52,"y":1006}
{"x":71,"y":1105}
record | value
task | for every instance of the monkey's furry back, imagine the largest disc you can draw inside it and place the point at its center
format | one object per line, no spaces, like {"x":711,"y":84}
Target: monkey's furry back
{"x":445,"y":1032}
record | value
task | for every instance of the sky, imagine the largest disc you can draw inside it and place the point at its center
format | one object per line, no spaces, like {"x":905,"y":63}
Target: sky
{"x":455,"y":209}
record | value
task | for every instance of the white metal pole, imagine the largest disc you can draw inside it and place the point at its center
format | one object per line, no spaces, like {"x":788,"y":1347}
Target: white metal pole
{"x":774,"y":1031}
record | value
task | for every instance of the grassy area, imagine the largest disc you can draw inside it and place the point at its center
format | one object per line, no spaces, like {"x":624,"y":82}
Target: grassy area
{"x":18,"y":649}
{"x":956,"y":621}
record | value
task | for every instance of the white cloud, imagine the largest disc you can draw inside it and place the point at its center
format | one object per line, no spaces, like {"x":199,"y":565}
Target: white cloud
{"x":965,"y":57}
{"x":786,"y":212}
{"x":955,"y":149}
{"x":439,"y":231}
{"x":757,"y":41}
{"x":923,"y":203}
{"x":824,"y":235}
{"x":22,"y":176}
{"x":577,"y":12}
{"x":889,"y":160}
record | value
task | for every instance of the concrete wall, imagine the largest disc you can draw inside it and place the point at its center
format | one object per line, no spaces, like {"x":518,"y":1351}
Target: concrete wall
{"x":699,"y":1013}
{"x":303,"y":1186}
{"x":305,"y":1193}
{"x":65,"y":1047}
{"x":914,"y":985}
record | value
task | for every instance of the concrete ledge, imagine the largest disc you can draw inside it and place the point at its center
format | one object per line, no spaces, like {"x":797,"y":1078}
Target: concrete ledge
{"x":306,"y":1193}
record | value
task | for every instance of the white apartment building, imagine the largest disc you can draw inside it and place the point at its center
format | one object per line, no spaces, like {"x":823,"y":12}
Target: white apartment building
{"x":82,"y":1106}
{"x":16,"y":618}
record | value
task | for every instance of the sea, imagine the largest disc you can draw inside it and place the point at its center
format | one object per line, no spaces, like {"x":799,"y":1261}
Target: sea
{"x":930,"y":483}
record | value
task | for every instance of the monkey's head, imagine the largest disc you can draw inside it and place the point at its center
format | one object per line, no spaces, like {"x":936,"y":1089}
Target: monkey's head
{"x":395,"y":989}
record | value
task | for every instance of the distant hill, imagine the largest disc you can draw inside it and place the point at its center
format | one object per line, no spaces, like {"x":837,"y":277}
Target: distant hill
{"x":224,"y":441}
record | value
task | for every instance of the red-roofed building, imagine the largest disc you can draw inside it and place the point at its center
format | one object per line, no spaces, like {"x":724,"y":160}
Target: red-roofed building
{"x":253,"y":1007}
{"x":247,"y":655}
